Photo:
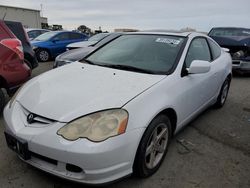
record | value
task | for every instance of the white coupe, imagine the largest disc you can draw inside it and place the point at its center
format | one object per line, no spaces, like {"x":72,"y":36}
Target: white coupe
{"x":114,"y":113}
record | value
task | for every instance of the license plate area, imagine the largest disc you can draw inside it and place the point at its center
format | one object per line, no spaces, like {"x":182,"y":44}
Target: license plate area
{"x":18,"y":145}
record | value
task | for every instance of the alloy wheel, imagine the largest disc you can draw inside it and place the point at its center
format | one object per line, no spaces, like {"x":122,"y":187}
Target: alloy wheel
{"x":156,"y":146}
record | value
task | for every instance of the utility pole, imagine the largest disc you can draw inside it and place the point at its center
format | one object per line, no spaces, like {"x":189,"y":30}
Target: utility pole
{"x":41,"y":9}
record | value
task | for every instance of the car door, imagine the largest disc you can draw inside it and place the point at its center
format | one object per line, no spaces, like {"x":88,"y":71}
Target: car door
{"x":59,"y":43}
{"x":197,"y":89}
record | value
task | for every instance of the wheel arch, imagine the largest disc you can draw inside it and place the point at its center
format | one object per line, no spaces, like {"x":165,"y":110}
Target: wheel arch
{"x":171,"y":114}
{"x":229,"y":76}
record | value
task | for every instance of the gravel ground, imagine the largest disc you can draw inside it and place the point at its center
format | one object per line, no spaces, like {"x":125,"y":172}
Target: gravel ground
{"x":212,"y":151}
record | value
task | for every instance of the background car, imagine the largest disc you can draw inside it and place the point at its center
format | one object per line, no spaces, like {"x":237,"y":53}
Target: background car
{"x":51,"y":44}
{"x":237,"y":40}
{"x":33,"y":32}
{"x":115,"y":112}
{"x":29,"y":54}
{"x":79,"y":53}
{"x":13,"y":70}
{"x":90,"y":42}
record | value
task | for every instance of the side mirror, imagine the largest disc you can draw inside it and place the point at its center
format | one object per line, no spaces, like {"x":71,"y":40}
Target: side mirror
{"x":199,"y":66}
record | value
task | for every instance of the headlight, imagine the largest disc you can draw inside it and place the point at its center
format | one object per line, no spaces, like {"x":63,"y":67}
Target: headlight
{"x":239,"y":54}
{"x":13,"y":98}
{"x":97,"y":126}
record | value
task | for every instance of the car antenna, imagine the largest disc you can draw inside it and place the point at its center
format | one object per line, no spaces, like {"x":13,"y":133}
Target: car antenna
{"x":4,"y":15}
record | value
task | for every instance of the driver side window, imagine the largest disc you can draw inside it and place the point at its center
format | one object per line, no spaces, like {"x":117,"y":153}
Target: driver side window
{"x":198,"y":50}
{"x":62,"y":36}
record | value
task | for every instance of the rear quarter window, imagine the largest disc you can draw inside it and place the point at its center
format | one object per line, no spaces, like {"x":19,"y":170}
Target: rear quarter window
{"x":215,"y":49}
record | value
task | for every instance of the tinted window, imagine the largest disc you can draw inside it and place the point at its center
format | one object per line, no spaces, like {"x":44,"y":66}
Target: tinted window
{"x":215,"y":49}
{"x":62,"y":36}
{"x":76,"y":36}
{"x":44,"y":31}
{"x":107,"y":39}
{"x":217,"y":32}
{"x":198,"y":50}
{"x":33,"y":34}
{"x":98,"y":37}
{"x":154,"y":53}
{"x":17,"y":29}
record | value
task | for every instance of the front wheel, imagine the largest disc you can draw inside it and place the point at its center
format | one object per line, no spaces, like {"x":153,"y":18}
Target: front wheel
{"x":42,"y":55}
{"x":153,"y":147}
{"x":223,"y":94}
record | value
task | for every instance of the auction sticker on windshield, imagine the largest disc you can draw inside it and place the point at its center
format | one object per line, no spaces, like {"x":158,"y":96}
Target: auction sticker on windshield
{"x":168,"y":41}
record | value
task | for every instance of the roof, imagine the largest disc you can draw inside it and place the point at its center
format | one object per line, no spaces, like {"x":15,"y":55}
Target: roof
{"x":229,"y":28}
{"x":32,"y":29}
{"x":183,"y":34}
{"x":7,"y":6}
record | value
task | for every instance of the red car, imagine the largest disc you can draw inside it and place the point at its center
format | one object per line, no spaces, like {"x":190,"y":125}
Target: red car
{"x":13,"y":70}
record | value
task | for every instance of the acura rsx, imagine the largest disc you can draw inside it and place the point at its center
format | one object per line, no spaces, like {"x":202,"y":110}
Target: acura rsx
{"x":114,"y":112}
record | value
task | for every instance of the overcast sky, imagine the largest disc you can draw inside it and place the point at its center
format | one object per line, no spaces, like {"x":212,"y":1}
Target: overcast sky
{"x":141,"y":14}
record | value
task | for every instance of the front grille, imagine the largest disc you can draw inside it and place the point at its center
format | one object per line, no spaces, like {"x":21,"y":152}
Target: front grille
{"x":236,"y":62}
{"x":38,"y":121}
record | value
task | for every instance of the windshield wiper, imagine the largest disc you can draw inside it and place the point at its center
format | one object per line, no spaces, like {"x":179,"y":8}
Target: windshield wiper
{"x":89,"y":62}
{"x":127,"y":67}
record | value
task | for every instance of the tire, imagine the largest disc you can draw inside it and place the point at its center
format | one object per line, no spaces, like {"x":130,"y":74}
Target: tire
{"x":150,"y":153}
{"x":2,"y":100}
{"x":28,"y":63}
{"x":43,"y":55}
{"x":223,"y":94}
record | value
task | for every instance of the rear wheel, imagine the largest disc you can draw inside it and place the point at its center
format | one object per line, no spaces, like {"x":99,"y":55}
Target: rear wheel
{"x":153,"y":147}
{"x":43,"y":55}
{"x":223,"y":94}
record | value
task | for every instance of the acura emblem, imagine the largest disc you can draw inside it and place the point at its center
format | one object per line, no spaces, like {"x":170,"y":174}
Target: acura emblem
{"x":30,"y":118}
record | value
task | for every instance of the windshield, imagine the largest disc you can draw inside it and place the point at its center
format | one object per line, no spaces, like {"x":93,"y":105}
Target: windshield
{"x":229,"y":32}
{"x":46,"y":36}
{"x":98,"y":37}
{"x":152,"y":53}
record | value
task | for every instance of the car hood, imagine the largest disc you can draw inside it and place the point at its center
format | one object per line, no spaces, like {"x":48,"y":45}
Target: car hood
{"x":78,"y":89}
{"x":81,"y":44}
{"x":75,"y":54}
{"x":232,"y":41}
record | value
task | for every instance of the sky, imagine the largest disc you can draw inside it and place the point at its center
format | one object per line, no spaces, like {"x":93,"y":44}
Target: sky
{"x":141,"y":14}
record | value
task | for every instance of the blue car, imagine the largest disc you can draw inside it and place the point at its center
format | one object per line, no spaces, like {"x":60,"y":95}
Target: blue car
{"x":51,"y":44}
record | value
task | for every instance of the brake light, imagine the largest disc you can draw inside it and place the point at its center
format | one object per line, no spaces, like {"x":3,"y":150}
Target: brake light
{"x":15,"y":45}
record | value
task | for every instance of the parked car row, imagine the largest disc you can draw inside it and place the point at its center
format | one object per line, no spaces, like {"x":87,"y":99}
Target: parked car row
{"x":114,"y":112}
{"x":13,"y":69}
{"x":82,"y":49}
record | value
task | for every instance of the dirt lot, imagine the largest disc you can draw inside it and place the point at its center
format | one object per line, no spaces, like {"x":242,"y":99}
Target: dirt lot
{"x":212,"y":151}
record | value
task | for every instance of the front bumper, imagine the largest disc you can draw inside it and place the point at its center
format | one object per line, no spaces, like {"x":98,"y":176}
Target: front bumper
{"x":241,"y":65}
{"x":100,"y":162}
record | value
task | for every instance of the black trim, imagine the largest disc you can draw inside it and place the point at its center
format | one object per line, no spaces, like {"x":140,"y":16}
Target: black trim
{"x":41,"y":157}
